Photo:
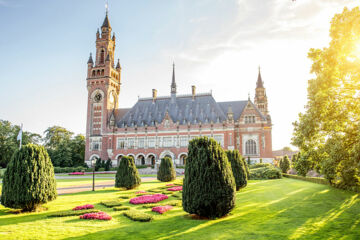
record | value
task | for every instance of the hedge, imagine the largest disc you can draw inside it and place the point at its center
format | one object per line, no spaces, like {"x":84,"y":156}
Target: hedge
{"x":140,"y":216}
{"x":68,"y":213}
{"x":309,"y":179}
{"x":259,"y":165}
{"x":265,"y":173}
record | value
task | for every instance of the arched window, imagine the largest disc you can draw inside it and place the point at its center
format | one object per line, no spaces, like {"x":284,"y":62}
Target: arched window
{"x":93,"y":73}
{"x":102,"y":56}
{"x":250,"y":147}
{"x":102,"y":72}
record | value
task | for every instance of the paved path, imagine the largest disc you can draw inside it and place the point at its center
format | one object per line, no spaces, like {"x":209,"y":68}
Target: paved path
{"x":88,"y":187}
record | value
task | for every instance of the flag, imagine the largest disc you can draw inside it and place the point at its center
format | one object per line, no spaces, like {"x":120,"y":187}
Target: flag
{"x":19,"y":137}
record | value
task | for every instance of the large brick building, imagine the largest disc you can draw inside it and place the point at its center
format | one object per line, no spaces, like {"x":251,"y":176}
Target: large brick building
{"x":162,"y":126}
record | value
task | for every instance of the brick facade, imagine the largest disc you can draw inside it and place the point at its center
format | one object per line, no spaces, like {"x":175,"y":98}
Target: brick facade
{"x":162,"y":126}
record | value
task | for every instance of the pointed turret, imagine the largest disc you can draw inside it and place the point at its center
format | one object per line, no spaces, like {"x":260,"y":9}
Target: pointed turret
{"x":173,"y":83}
{"x":260,"y":96}
{"x":90,"y":61}
{"x":118,"y":66}
{"x":106,"y":23}
{"x":259,"y":83}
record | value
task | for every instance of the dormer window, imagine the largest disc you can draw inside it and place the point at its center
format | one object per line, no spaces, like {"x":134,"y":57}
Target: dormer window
{"x":250,"y":119}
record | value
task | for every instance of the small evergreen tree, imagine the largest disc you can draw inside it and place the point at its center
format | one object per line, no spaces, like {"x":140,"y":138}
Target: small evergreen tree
{"x":29,"y":179}
{"x":261,"y":160}
{"x":238,"y":168}
{"x":285,"y":164}
{"x":127,"y":175}
{"x":209,"y":184}
{"x":166,"y":171}
{"x":248,"y":161}
{"x":108,"y":165}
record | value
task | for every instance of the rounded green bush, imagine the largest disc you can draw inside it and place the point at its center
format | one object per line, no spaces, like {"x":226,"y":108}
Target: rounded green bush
{"x":29,"y":179}
{"x":285,"y":164}
{"x":209,"y":184}
{"x":238,"y":168}
{"x":127,"y":175}
{"x":166,"y":172}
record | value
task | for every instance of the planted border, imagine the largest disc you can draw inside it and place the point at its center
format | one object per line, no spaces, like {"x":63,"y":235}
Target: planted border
{"x":317,"y":180}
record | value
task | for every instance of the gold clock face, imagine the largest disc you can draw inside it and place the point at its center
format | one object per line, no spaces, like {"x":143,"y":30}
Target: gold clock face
{"x":97,"y":97}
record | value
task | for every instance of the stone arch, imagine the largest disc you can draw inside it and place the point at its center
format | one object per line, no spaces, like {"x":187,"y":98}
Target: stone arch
{"x":140,"y":159}
{"x":169,"y":154}
{"x":131,"y":155}
{"x":182,"y":158}
{"x":118,"y":159}
{"x":151,"y":158}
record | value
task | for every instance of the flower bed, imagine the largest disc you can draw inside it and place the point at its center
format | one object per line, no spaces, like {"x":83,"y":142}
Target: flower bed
{"x":86,"y":206}
{"x":76,"y":173}
{"x":148,"y":199}
{"x":170,"y":184}
{"x":111,"y":204}
{"x":162,"y":209}
{"x":98,"y":216}
{"x":177,"y":188}
{"x":136,"y":215}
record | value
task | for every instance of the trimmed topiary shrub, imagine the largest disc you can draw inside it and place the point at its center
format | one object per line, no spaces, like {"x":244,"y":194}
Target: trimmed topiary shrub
{"x":238,"y":168}
{"x":268,"y":172}
{"x":137,"y":215}
{"x":246,"y":168}
{"x":166,"y":171}
{"x":285,"y":164}
{"x":127,"y":175}
{"x":29,"y":179}
{"x":209,"y":184}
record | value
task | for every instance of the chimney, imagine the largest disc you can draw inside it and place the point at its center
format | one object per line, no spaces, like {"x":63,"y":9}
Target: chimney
{"x":193,"y":92}
{"x":154,"y":94}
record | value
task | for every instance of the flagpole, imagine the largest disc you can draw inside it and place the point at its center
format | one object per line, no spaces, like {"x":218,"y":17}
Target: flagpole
{"x":20,"y":136}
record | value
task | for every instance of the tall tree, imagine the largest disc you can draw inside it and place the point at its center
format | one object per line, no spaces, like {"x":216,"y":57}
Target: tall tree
{"x":56,"y":134}
{"x":328,"y":132}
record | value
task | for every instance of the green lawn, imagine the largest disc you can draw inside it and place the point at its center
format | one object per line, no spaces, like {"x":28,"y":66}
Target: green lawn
{"x":273,"y":209}
{"x":103,"y":175}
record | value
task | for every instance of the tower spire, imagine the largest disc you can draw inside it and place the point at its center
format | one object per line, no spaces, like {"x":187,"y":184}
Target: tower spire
{"x":173,"y":83}
{"x":259,"y":83}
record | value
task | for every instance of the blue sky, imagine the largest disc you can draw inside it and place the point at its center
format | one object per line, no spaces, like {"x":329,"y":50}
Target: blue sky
{"x":216,"y":45}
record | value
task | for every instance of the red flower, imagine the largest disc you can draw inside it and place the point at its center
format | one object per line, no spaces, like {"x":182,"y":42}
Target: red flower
{"x":148,"y":199}
{"x":76,"y":173}
{"x":140,"y":192}
{"x":177,"y":188}
{"x":86,"y":206}
{"x":162,"y":209}
{"x":98,"y":215}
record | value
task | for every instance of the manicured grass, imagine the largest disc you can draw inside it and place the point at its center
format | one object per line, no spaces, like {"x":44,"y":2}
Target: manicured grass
{"x":271,"y":209}
{"x":100,"y":175}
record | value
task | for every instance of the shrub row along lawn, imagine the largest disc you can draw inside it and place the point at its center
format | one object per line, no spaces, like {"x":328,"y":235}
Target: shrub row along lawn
{"x":267,"y":209}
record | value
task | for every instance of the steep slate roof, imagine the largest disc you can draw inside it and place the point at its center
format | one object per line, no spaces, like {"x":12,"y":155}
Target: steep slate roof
{"x":106,"y":22}
{"x":203,"y":109}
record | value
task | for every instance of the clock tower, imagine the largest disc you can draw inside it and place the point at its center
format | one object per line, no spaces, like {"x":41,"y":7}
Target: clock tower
{"x":103,"y":84}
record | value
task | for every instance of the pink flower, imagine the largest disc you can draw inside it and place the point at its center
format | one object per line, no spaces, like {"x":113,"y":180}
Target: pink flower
{"x":76,"y":173}
{"x":97,"y":215}
{"x":139,"y":192}
{"x":170,"y":184}
{"x":86,"y":206}
{"x":162,"y":209}
{"x":177,"y":188}
{"x":148,"y":199}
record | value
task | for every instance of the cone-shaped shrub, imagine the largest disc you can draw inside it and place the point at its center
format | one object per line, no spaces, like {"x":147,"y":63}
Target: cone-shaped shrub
{"x":246,"y":168}
{"x":127,"y":175}
{"x":29,"y":179}
{"x":285,"y":164}
{"x":238,"y":168}
{"x":209,"y":185}
{"x":166,"y":171}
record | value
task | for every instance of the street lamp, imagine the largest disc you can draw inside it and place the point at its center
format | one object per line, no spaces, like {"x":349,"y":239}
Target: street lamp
{"x":93,"y":162}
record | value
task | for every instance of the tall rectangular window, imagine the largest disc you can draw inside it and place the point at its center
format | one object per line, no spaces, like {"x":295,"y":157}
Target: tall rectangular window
{"x":167,"y":142}
{"x":120,"y":143}
{"x":184,"y":141}
{"x":250,"y":119}
{"x":151,"y":142}
{"x":230,"y":139}
{"x":220,"y":139}
{"x":131,"y":143}
{"x":141,"y":142}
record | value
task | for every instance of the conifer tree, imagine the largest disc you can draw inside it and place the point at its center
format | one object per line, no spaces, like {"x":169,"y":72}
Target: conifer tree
{"x":238,"y":168}
{"x":285,"y":164}
{"x":29,"y":179}
{"x":127,"y":175}
{"x":166,"y":171}
{"x":209,"y":185}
